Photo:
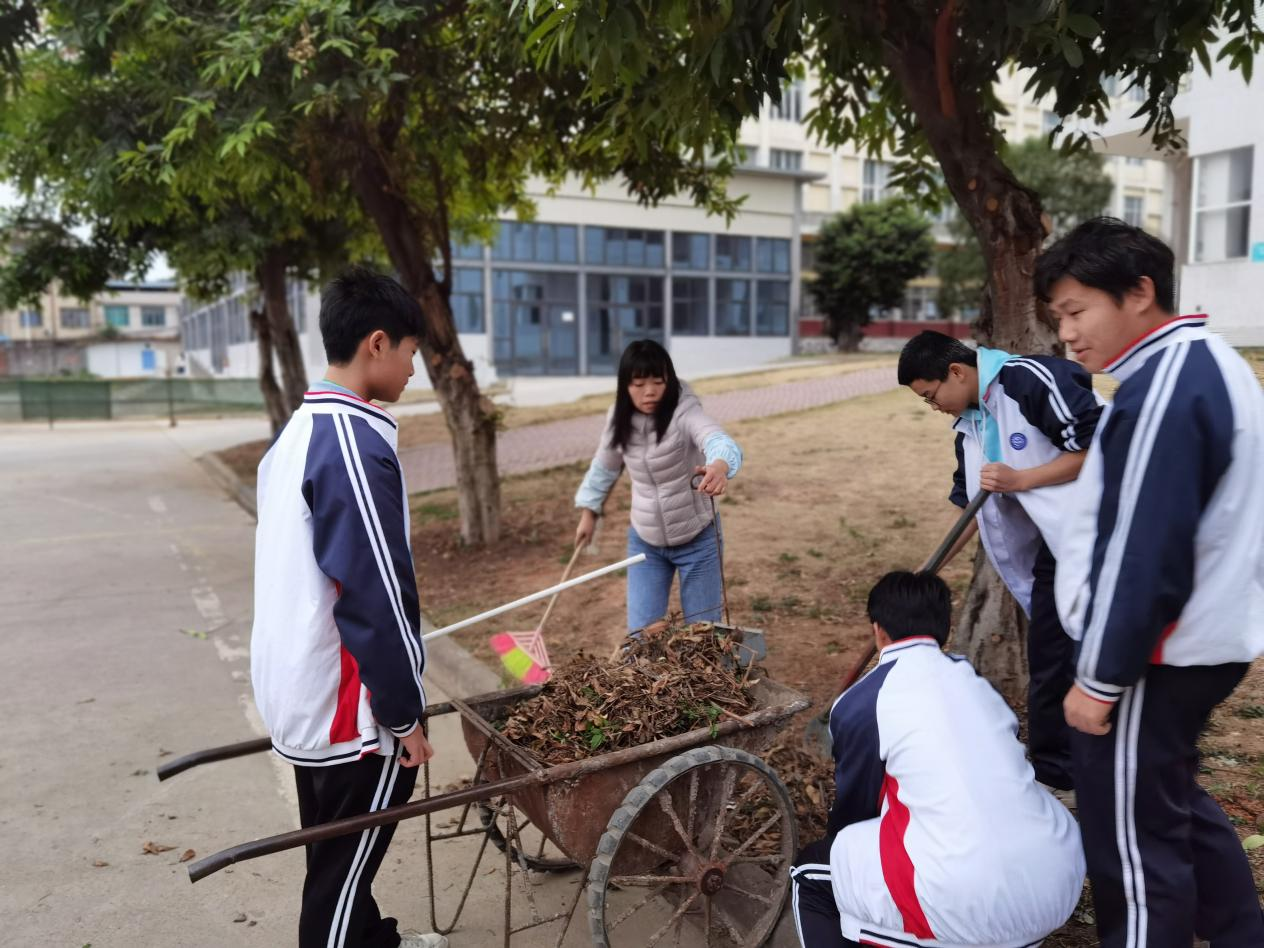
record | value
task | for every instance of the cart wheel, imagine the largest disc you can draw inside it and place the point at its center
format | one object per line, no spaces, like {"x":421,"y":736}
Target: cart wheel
{"x":712,"y":831}
{"x":534,"y":857}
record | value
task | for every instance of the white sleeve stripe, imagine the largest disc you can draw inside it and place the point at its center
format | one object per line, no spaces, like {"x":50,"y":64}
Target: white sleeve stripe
{"x":411,"y":645}
{"x":368,"y":512}
{"x":1059,"y":404}
{"x":1138,"y":460}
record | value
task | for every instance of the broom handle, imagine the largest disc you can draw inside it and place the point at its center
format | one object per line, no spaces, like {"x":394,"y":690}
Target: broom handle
{"x":535,"y":597}
{"x":565,"y":575}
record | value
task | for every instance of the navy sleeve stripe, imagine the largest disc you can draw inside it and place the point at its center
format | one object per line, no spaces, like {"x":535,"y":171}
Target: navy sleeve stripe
{"x":1139,"y":450}
{"x":1060,"y":407}
{"x":368,"y":511}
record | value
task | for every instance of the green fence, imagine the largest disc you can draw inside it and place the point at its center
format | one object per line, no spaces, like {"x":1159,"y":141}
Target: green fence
{"x":104,"y":399}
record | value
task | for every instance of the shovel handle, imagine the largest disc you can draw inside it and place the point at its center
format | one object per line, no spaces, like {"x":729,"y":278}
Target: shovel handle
{"x":932,"y":566}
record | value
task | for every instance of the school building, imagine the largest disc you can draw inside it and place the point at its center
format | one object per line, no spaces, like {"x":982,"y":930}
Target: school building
{"x":1214,"y":197}
{"x":130,"y":330}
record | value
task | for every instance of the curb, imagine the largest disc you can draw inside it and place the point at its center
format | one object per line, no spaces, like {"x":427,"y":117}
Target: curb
{"x":448,"y":664}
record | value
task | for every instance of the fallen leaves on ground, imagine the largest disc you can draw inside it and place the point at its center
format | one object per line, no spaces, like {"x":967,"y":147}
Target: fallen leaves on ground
{"x":153,"y":849}
{"x":187,"y":855}
{"x":657,"y":686}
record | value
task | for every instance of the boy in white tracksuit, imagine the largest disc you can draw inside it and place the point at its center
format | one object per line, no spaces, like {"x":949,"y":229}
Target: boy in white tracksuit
{"x":1163,"y":589}
{"x":336,"y":655}
{"x":939,"y":834}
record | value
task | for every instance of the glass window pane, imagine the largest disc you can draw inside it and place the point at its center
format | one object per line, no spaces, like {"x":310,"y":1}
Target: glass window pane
{"x":74,"y":317}
{"x":594,"y":245}
{"x":1222,"y":235}
{"x":772,"y":308}
{"x":567,"y":244}
{"x":732,"y":307}
{"x":690,"y":307}
{"x":1225,"y":178}
{"x":153,"y":316}
{"x":772,"y":255}
{"x":691,"y":251}
{"x":634,"y":248}
{"x":732,"y":253}
{"x":545,"y":243}
{"x":522,"y":239}
{"x":654,"y":249}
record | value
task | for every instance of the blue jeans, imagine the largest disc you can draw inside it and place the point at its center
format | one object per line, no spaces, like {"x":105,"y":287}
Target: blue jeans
{"x":650,"y":581}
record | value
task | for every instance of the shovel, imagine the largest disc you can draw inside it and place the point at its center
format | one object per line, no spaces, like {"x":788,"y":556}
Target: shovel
{"x":817,"y":733}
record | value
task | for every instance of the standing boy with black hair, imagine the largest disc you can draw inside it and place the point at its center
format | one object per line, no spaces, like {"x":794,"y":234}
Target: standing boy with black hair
{"x":1163,"y":588}
{"x":939,"y":834}
{"x":336,"y":651}
{"x":1023,"y":426}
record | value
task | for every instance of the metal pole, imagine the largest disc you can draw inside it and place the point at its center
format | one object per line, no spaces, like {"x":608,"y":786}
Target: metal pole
{"x":171,"y":400}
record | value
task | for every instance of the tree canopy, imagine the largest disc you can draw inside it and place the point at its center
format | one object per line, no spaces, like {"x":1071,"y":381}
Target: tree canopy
{"x":865,"y":257}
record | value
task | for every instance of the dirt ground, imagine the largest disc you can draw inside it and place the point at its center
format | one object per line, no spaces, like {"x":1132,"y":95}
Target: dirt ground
{"x":828,"y":500}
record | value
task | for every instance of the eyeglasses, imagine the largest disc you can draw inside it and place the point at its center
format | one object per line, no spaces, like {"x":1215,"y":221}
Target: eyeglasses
{"x":929,"y":397}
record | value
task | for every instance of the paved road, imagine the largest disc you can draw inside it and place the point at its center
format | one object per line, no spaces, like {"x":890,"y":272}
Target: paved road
{"x":537,"y":447}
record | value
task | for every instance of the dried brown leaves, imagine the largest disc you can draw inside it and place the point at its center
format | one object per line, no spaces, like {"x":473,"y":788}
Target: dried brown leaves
{"x":660,"y":685}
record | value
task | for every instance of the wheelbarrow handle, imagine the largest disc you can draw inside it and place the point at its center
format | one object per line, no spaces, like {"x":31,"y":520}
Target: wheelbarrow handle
{"x":932,"y":566}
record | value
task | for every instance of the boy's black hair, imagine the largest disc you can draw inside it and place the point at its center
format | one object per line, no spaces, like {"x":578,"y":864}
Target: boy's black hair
{"x":1109,"y":255}
{"x":643,"y":359}
{"x":907,"y":604}
{"x":928,"y":354}
{"x":360,"y":301}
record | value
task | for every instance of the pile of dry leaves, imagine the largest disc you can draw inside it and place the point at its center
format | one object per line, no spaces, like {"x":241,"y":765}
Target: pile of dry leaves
{"x":810,"y":780}
{"x":657,"y":686}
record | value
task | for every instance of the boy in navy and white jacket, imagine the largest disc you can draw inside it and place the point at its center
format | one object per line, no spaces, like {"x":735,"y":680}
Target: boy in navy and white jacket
{"x":1163,"y":587}
{"x":1023,"y":426}
{"x":336,"y":650}
{"x":939,"y":833}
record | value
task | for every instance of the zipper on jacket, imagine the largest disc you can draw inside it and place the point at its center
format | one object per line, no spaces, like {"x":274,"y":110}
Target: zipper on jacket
{"x":658,"y":501}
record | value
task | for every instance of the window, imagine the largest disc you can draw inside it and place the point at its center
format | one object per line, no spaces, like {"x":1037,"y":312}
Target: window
{"x":116,"y":316}
{"x":536,"y":243}
{"x":238,"y":328}
{"x":732,"y":308}
{"x":621,"y":308}
{"x":153,"y":316}
{"x":467,"y":251}
{"x":1049,"y":120}
{"x":691,"y":308}
{"x":1135,"y":162}
{"x":877,"y":174}
{"x":919,"y":303}
{"x":31,"y":319}
{"x":790,"y":108}
{"x":732,"y":253}
{"x":74,"y":317}
{"x":296,"y":292}
{"x":1222,"y":205}
{"x":535,"y":331}
{"x":772,"y":255}
{"x":467,"y":299}
{"x":1134,"y":210}
{"x":691,"y":251}
{"x":783,"y":160}
{"x":623,"y":247}
{"x":772,"y":308}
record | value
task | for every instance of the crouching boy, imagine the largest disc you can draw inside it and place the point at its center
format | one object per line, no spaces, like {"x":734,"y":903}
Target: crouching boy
{"x":939,"y":834}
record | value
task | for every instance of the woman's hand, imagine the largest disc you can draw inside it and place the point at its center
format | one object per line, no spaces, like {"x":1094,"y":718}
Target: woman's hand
{"x":587,"y":526}
{"x":715,"y":477}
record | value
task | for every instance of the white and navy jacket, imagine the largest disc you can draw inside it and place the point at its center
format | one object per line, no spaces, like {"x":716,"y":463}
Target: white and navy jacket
{"x":1043,"y":406}
{"x":943,"y":835}
{"x":1169,"y":562}
{"x":336,"y":652}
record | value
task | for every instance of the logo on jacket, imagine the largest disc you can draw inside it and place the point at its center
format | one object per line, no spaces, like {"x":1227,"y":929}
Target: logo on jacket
{"x":1018,"y":441}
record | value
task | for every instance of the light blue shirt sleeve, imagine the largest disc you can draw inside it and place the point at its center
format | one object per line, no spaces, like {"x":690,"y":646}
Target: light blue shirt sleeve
{"x":595,"y":486}
{"x":720,"y":447}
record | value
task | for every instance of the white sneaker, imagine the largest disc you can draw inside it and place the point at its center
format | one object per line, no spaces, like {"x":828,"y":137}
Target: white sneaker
{"x":418,"y":940}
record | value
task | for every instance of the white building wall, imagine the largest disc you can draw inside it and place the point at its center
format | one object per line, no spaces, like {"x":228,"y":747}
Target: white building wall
{"x":702,"y":355}
{"x":115,"y":360}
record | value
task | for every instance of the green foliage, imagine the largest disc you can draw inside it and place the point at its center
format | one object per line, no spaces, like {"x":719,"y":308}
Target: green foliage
{"x":19,"y":21}
{"x":1072,"y":187}
{"x":865,"y":256}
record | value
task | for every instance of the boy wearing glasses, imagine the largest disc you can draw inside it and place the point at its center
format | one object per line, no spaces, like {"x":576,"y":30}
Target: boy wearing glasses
{"x":1023,"y":425}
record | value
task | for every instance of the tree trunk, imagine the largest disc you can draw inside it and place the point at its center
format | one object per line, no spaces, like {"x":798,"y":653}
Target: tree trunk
{"x":470,"y":416}
{"x":276,"y":306}
{"x":273,"y":397}
{"x":1007,"y":220}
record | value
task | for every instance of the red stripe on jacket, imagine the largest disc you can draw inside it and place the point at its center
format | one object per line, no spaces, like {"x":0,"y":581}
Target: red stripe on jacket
{"x":897,"y":866}
{"x":346,"y":724}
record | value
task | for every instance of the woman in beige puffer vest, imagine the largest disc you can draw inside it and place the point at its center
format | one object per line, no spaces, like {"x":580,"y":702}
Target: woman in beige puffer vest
{"x":659,"y":432}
